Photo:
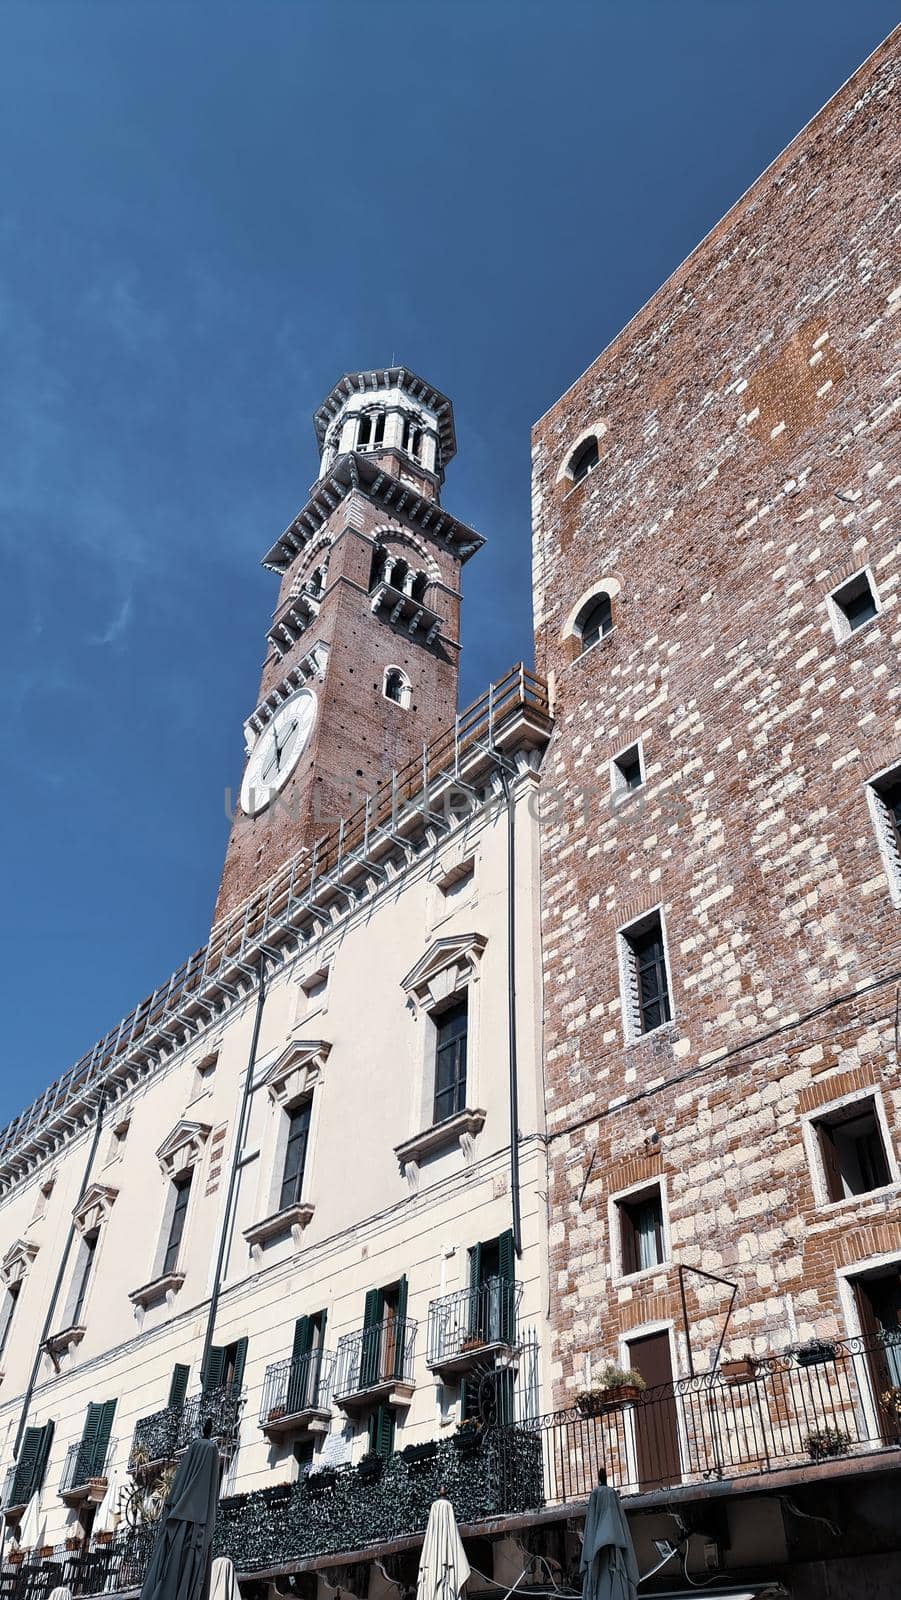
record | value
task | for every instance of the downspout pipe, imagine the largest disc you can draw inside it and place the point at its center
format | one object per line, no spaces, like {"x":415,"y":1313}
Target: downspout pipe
{"x":511,"y":1012}
{"x":51,"y":1309}
{"x":233,"y":1174}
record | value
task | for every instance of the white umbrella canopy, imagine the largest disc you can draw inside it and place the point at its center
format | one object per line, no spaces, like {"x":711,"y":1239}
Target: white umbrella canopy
{"x":443,"y":1567}
{"x":33,"y":1525}
{"x":108,"y":1513}
{"x":223,"y":1583}
{"x":62,"y":1593}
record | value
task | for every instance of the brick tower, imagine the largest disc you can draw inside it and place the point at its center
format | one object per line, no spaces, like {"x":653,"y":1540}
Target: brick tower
{"x":362,"y":650}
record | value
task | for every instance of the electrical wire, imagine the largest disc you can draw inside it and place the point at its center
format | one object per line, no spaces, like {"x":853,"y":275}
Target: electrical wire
{"x":810,"y":1516}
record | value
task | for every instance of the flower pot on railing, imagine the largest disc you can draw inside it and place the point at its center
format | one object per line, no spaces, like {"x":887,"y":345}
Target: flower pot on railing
{"x":73,"y":1545}
{"x":95,"y":1483}
{"x":275,"y":1413}
{"x":417,"y":1455}
{"x":370,"y":1468}
{"x":617,"y":1387}
{"x":16,"y":1557}
{"x":103,"y":1538}
{"x":45,"y":1552}
{"x":815,"y":1353}
{"x":741,"y":1370}
{"x":826,"y":1443}
{"x":472,"y":1342}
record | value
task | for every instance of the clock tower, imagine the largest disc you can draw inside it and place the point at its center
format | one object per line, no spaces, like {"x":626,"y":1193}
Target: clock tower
{"x":362,"y":650}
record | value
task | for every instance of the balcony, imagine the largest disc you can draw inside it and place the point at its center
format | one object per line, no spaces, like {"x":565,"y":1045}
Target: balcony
{"x":297,"y":1395}
{"x":160,"y":1437}
{"x":474,"y":1327}
{"x":85,"y":1478}
{"x":375,"y":1366}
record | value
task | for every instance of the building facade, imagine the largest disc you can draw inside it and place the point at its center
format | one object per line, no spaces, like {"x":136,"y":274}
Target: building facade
{"x":532,"y":1112}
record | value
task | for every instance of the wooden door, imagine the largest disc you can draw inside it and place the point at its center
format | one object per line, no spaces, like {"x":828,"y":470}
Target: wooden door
{"x":879,"y":1308}
{"x":656,"y":1418}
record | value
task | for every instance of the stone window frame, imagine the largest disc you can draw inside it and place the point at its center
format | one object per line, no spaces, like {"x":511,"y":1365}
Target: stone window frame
{"x":851,"y":1316}
{"x":619,"y":793}
{"x":571,"y":633}
{"x":814,"y":1155}
{"x":633,"y":1191}
{"x":447,"y":972}
{"x":90,"y":1216}
{"x":884,"y":828}
{"x":840,"y":628}
{"x":406,"y":691}
{"x":313,"y":990}
{"x":633,"y":1033}
{"x":17,"y":1261}
{"x":294,"y":1076}
{"x":595,"y":430}
{"x":181,"y":1152}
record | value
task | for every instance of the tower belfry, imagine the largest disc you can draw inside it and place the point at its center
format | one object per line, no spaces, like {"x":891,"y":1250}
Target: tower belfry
{"x":363,"y":646}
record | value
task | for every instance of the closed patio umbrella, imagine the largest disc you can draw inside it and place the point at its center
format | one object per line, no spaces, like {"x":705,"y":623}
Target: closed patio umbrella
{"x":34,"y":1525}
{"x":223,"y":1583}
{"x":608,"y":1566}
{"x":107,"y":1518}
{"x":179,"y":1566}
{"x":60,"y":1593}
{"x":443,"y":1567}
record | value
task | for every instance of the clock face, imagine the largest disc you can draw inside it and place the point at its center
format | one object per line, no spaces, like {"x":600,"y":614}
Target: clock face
{"x":277,"y":751}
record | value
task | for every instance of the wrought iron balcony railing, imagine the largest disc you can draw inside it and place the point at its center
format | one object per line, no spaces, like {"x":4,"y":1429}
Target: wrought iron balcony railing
{"x":298,"y":1392}
{"x":159,"y":1437}
{"x":473,"y":1325}
{"x":85,"y":1471}
{"x":376,"y":1362}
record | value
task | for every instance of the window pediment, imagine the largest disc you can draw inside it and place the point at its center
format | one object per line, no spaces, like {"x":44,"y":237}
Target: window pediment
{"x":446,"y":968}
{"x":183,"y":1147}
{"x":296,"y":1071}
{"x":17,"y":1260}
{"x":94,"y":1207}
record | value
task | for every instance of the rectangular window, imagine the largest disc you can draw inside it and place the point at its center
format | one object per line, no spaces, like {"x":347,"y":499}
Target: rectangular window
{"x":853,"y":604}
{"x":626,"y":772}
{"x":884,"y":797}
{"x":83,"y":1268}
{"x":182,"y":1188}
{"x":641,"y":1231}
{"x":450,"y":1061}
{"x":7,"y":1312}
{"x":851,"y":1150}
{"x":646,"y":998}
{"x":295,"y":1155}
{"x":204,"y":1073}
{"x":31,"y":1465}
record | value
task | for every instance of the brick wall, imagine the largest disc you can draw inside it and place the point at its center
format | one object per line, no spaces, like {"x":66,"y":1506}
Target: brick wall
{"x":748,"y":464}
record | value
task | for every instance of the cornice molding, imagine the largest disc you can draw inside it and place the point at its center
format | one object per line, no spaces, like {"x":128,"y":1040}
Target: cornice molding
{"x":94,"y":1207}
{"x":17,"y":1261}
{"x":446,"y":967}
{"x":296,"y":1071}
{"x":183,"y":1147}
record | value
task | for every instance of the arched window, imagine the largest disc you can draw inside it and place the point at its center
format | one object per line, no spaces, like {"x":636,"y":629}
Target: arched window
{"x":584,"y":460}
{"x":379,"y":430}
{"x":364,"y":432}
{"x":595,"y":621}
{"x":397,"y":686}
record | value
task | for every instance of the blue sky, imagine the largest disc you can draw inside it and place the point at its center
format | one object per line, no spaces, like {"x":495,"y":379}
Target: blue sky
{"x":208,"y":211}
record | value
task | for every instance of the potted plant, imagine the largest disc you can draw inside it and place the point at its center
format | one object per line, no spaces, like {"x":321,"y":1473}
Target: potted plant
{"x":468,"y":1436}
{"x":739,"y":1370}
{"x":369,"y":1468}
{"x":826,"y":1442}
{"x":472,"y":1342}
{"x":45,"y":1552}
{"x":616,"y":1386}
{"x":814,"y":1353}
{"x":16,"y":1557}
{"x":73,"y":1542}
{"x":891,"y":1401}
{"x":106,"y":1537}
{"x":275,"y":1412}
{"x":416,"y":1455}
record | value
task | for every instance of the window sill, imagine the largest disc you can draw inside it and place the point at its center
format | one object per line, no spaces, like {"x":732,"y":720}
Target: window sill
{"x":626,"y":1280}
{"x":653,"y":1033}
{"x":441,"y":1134}
{"x":292,"y":1220}
{"x":884,"y":1192}
{"x":57,"y":1344}
{"x":157,"y":1289}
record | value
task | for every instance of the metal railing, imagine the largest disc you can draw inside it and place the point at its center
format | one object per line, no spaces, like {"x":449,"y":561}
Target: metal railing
{"x":161,"y":1435}
{"x":300,"y":1384}
{"x":82,"y":1465}
{"x":225,"y":967}
{"x":471,"y":1321}
{"x":92,"y":1568}
{"x":377,"y":1355}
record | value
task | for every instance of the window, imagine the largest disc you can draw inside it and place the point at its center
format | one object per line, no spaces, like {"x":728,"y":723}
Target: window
{"x":182,"y":1187}
{"x":851,"y":1150}
{"x":381,"y":1432}
{"x":412,"y":438}
{"x":204,"y":1073}
{"x":364,"y":432}
{"x":117,"y":1141}
{"x":645,"y":981}
{"x":386,"y":1348}
{"x":43,"y":1195}
{"x":83,"y":1267}
{"x":884,"y":797}
{"x":224,"y":1369}
{"x":584,"y":460}
{"x":853,"y":604}
{"x":295,"y":1155}
{"x":95,"y":1442}
{"x":314,"y":989}
{"x":641,"y":1231}
{"x":397,"y":687}
{"x":7,"y":1312}
{"x":627,"y":771}
{"x":595,"y":621}
{"x":450,"y":1061}
{"x":378,"y":432}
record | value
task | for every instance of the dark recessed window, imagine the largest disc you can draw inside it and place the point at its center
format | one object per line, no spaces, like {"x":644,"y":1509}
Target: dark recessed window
{"x":394,"y":687}
{"x":885,"y":807}
{"x":182,"y":1188}
{"x":595,"y":621}
{"x":641,"y":1231}
{"x":855,"y":604}
{"x":852,"y":1151}
{"x":83,"y":1268}
{"x":450,"y":1061}
{"x":647,"y":997}
{"x":7,"y":1312}
{"x":584,"y":460}
{"x":627,"y":773}
{"x":295,"y":1155}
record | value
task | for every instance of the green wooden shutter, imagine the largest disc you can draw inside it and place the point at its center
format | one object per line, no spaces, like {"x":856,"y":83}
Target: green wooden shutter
{"x":475,"y":1280}
{"x":29,"y":1470}
{"x":505,"y":1256}
{"x":506,"y":1266}
{"x":400,"y":1337}
{"x":214,"y":1369}
{"x":240,"y":1349}
{"x":178,"y":1387}
{"x":299,"y":1370}
{"x":370,"y":1344}
{"x":381,"y":1431}
{"x":85,"y":1463}
{"x":43,"y":1456}
{"x":101,"y":1443}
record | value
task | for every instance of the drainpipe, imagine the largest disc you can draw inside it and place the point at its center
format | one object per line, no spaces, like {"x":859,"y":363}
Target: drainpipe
{"x":233,"y":1174}
{"x":511,"y":1012}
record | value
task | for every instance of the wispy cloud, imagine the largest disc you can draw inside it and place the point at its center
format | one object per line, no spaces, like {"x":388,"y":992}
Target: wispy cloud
{"x":115,"y":629}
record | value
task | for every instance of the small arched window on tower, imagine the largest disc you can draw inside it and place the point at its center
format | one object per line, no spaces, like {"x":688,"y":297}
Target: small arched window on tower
{"x":364,"y":431}
{"x":397,"y":687}
{"x":412,"y":438}
{"x":584,"y":460}
{"x":596,"y":620}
